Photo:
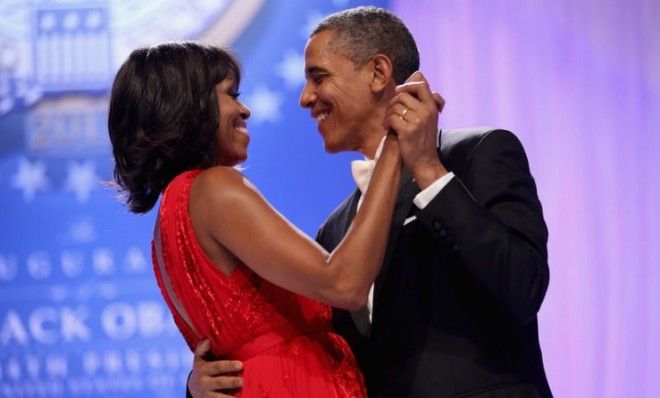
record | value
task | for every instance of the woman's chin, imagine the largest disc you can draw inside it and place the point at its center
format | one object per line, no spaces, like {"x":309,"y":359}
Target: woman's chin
{"x":232,"y":162}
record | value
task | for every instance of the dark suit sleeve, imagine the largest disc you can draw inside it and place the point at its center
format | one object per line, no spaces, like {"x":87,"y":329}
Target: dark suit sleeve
{"x":492,"y":219}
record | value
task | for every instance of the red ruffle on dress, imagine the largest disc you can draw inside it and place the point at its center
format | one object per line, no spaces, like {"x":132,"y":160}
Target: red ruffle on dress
{"x":285,"y":340}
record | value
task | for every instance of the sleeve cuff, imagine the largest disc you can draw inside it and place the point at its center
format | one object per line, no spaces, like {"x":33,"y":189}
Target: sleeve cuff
{"x":425,"y":197}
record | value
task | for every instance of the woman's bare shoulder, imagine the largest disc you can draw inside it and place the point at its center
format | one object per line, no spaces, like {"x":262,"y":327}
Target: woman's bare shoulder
{"x":222,"y":183}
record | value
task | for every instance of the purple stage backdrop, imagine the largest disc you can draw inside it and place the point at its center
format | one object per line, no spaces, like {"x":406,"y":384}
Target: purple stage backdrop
{"x":579,"y":82}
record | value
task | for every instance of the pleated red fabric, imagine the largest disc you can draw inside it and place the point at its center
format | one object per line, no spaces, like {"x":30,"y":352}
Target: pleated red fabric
{"x":285,"y":340}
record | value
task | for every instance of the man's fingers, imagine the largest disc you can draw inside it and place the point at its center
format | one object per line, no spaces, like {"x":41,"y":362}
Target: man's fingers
{"x":218,"y":368}
{"x":201,"y":349}
{"x":417,"y":85}
{"x":395,"y":110}
{"x":411,"y":102}
{"x":418,"y":89}
{"x":397,"y":124}
{"x":416,"y":76}
{"x":225,"y":383}
{"x":406,"y":100}
{"x":439,"y":101}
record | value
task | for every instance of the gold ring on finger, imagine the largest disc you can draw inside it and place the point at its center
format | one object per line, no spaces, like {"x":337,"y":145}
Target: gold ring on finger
{"x":403,"y":114}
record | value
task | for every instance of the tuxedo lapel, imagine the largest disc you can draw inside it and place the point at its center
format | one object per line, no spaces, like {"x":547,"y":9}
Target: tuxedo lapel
{"x":350,"y":214}
{"x":402,"y":209}
{"x":407,"y":191}
{"x":360,"y":318}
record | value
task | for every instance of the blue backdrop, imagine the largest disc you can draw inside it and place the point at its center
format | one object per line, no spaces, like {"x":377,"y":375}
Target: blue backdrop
{"x":80,"y":312}
{"x":577,"y":80}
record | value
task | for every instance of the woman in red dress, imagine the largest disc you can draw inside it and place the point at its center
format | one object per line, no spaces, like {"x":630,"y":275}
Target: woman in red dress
{"x":230,"y":267}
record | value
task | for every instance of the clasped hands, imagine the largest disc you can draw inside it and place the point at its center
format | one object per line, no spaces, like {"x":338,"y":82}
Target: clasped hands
{"x":413,"y":115}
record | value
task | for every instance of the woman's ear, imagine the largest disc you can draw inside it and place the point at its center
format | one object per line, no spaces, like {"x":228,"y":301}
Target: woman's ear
{"x":381,"y":73}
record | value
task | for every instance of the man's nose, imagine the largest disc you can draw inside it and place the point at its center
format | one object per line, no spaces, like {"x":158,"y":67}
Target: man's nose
{"x":307,"y":97}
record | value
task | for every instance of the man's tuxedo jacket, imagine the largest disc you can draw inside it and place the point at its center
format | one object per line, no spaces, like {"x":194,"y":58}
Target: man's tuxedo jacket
{"x":456,"y":299}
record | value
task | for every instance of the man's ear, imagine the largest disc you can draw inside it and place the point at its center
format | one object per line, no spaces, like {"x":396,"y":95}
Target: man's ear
{"x":381,"y":73}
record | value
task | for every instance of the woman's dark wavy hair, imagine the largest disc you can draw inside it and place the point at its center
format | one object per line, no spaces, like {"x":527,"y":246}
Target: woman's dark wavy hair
{"x":164,"y":116}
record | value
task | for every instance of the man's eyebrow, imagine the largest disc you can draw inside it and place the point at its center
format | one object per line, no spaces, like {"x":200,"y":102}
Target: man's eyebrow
{"x":313,"y":70}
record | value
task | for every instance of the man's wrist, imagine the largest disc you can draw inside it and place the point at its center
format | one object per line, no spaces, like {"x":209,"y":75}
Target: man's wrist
{"x":426,"y":195}
{"x":427,"y":174}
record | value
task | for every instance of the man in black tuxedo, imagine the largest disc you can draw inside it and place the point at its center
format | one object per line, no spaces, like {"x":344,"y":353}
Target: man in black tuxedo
{"x":453,"y":310}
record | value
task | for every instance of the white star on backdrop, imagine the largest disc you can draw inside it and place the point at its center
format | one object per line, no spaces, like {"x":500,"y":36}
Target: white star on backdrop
{"x":103,"y":261}
{"x":13,"y":369}
{"x":48,"y":22}
{"x":91,"y":362}
{"x":81,"y":179}
{"x":30,"y":178}
{"x":135,"y":260}
{"x":72,"y":262}
{"x":82,"y":231}
{"x":71,"y":20}
{"x":29,"y":92}
{"x":8,"y":267}
{"x":154,"y":359}
{"x":93,"y":20}
{"x":265,"y":105}
{"x":311,"y":20}
{"x":5,"y":105}
{"x":291,"y":69}
{"x":6,"y":101}
{"x":133,"y":361}
{"x":112,"y":362}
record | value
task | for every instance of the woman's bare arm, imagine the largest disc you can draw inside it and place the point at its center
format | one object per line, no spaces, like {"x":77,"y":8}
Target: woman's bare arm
{"x":227,"y":211}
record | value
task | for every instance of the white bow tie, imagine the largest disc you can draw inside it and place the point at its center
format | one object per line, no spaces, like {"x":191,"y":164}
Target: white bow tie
{"x":363,"y":169}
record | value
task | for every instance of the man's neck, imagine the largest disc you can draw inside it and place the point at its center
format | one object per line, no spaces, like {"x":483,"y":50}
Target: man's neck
{"x":372,"y":133}
{"x":372,"y":143}
{"x":373,"y":130}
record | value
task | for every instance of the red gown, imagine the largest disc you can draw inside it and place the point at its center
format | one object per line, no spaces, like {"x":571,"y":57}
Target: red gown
{"x":285,"y":340}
